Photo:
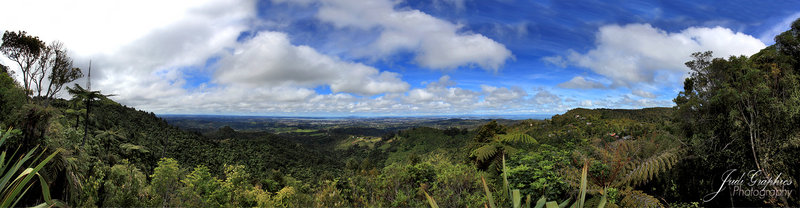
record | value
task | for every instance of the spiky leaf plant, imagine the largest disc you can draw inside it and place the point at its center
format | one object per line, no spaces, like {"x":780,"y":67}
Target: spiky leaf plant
{"x":17,"y":175}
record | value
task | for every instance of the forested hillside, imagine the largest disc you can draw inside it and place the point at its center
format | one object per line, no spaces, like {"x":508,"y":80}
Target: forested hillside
{"x":736,"y":113}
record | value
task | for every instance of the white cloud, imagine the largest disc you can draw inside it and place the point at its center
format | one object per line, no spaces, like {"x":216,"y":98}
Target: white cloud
{"x":269,"y":59}
{"x":586,"y":103}
{"x":442,"y":93}
{"x":637,"y":53}
{"x":625,"y":101}
{"x":544,"y":97}
{"x":137,"y":49}
{"x":501,"y":94}
{"x":578,"y":82}
{"x":642,"y":93}
{"x":437,"y":43}
{"x":100,"y":27}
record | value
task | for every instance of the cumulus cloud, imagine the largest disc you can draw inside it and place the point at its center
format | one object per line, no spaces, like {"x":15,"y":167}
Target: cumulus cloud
{"x":637,"y":53}
{"x":442,"y":93}
{"x":642,"y":93}
{"x":269,"y":59}
{"x":436,"y":43}
{"x":501,"y":96}
{"x":579,"y":82}
{"x":544,"y":97}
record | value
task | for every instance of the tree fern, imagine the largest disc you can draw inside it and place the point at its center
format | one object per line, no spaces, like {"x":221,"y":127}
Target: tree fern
{"x":636,"y":198}
{"x":517,"y":138}
{"x":485,"y":152}
{"x":644,"y":171}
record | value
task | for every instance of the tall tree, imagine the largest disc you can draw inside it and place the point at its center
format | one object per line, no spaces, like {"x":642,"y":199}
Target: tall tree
{"x":60,"y":69}
{"x":45,"y":68}
{"x":81,"y":94}
{"x":23,"y":49}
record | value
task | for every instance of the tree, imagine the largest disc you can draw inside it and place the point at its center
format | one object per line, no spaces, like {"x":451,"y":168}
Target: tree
{"x":493,"y":142}
{"x":201,"y":189}
{"x":12,"y":98}
{"x":80,"y":94}
{"x":45,"y":68}
{"x":237,"y":181}
{"x":110,"y":140}
{"x":166,"y":180}
{"x":743,"y":113}
{"x":60,"y":68}
{"x":23,"y":49}
{"x":125,"y":186}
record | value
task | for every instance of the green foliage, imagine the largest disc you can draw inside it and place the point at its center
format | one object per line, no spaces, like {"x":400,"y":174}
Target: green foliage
{"x":516,"y":199}
{"x":201,"y":189}
{"x":649,"y":168}
{"x":11,"y":99}
{"x":92,"y":189}
{"x":330,"y":196}
{"x":237,"y":181}
{"x":16,"y":175}
{"x":742,"y":113}
{"x":165,"y":182}
{"x":124,"y":186}
{"x":636,"y":198}
{"x":624,"y":164}
{"x":405,"y":184}
{"x":536,"y":172}
{"x":488,"y":152}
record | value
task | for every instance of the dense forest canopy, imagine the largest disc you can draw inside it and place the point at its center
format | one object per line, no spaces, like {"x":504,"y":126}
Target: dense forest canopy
{"x":736,"y":116}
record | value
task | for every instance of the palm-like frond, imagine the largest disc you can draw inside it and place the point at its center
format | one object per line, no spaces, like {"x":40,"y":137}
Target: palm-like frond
{"x":517,"y":138}
{"x":636,"y":198}
{"x":644,"y":171}
{"x":485,"y":152}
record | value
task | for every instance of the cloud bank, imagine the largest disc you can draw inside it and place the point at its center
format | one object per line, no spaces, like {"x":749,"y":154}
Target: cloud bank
{"x":637,"y":53}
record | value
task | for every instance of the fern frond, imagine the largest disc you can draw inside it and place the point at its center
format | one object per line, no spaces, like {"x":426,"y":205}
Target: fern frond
{"x":636,"y":198}
{"x":508,"y":149}
{"x":485,"y":152}
{"x":646,"y":170}
{"x":602,"y":153}
{"x":517,"y":138}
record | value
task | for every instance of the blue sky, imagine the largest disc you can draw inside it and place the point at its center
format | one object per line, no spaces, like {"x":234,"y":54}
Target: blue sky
{"x":391,"y":57}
